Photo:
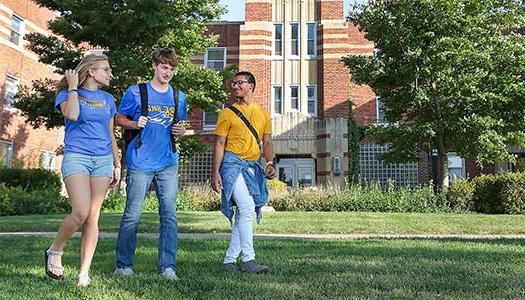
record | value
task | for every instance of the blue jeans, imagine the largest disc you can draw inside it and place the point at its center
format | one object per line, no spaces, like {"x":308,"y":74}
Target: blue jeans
{"x":138,"y":183}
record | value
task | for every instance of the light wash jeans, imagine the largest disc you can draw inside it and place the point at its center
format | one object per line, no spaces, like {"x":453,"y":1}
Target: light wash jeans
{"x":242,"y":233}
{"x":138,"y":183}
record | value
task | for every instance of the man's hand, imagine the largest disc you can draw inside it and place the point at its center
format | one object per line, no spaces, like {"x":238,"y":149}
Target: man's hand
{"x":270,"y":171}
{"x":141,"y":122}
{"x":178,"y":129}
{"x":216,"y":182}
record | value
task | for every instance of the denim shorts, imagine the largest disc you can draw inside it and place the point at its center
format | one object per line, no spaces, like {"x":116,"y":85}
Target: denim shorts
{"x":76,"y":163}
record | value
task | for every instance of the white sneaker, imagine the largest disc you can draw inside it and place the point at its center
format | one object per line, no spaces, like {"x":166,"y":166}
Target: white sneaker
{"x":123,"y":271}
{"x":169,"y":274}
{"x":83,"y":280}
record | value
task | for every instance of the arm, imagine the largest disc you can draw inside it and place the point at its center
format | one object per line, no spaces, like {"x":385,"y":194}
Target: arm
{"x":268,"y":155}
{"x":218,"y":154}
{"x":126,"y":123}
{"x":116,"y":158}
{"x":70,"y":108}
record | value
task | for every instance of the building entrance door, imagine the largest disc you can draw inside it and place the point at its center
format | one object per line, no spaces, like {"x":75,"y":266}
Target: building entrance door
{"x":296,"y":172}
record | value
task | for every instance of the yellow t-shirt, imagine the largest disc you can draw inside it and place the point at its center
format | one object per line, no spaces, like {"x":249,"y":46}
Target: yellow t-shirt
{"x":239,"y":139}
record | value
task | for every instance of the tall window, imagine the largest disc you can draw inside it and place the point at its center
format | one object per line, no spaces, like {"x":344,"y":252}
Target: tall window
{"x":312,"y":39}
{"x":278,"y":40}
{"x":16,"y":30}
{"x":277,"y":99}
{"x":312,"y":99}
{"x":294,"y":46}
{"x":294,"y":97}
{"x":6,"y":154}
{"x":215,"y":58}
{"x":10,"y":90}
{"x":380,"y":111}
{"x":47,"y":160}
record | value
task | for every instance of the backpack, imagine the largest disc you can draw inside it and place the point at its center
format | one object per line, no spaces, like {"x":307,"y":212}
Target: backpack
{"x":130,"y":134}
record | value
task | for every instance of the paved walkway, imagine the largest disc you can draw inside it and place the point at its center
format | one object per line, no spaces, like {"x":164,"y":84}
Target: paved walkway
{"x":226,"y":236}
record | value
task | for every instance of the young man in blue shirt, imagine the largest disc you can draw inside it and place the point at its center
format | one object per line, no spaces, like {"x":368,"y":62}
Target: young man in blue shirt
{"x":155,"y":159}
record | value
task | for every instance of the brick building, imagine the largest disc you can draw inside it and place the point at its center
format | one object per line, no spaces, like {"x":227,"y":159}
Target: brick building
{"x":294,"y":47}
{"x":20,"y":144}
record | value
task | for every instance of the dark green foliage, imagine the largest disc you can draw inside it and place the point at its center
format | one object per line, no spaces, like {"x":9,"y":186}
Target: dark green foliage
{"x":30,"y":179}
{"x":460,"y":195}
{"x":500,"y":194}
{"x":17,"y":201}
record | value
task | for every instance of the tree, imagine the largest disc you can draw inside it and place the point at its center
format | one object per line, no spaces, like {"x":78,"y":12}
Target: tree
{"x":450,"y":74}
{"x":127,"y":31}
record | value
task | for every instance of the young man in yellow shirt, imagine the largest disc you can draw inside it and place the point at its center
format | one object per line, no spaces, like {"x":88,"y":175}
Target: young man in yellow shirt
{"x":237,"y":172}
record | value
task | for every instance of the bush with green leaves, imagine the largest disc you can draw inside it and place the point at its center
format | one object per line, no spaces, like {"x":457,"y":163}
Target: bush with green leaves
{"x":30,"y":179}
{"x":500,"y":194}
{"x":363,"y":198}
{"x":15,"y":200}
{"x":460,"y":195}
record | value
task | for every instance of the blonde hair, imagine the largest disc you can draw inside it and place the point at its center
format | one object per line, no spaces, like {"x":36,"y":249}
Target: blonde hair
{"x":87,"y":63}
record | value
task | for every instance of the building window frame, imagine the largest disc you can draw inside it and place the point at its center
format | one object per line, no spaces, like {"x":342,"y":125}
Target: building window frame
{"x":16,"y":36}
{"x":456,"y":167}
{"x":274,"y":106}
{"x":295,"y":41}
{"x":298,"y":88}
{"x":9,"y":154}
{"x":9,"y":93}
{"x":47,"y":160}
{"x":207,"y":59}
{"x":209,"y":126}
{"x":280,"y":41}
{"x":311,"y":39}
{"x":380,"y":111}
{"x":314,"y":100}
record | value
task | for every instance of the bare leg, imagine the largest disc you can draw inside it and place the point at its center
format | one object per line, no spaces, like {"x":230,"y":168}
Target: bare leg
{"x":99,"y":188}
{"x":79,"y":191}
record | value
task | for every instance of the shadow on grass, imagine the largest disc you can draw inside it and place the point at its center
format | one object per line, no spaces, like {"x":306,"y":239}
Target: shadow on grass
{"x":373,"y":268}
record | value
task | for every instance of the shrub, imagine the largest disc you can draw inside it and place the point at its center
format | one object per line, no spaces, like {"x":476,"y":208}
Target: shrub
{"x":363,"y":198}
{"x":500,"y":194}
{"x":195,"y":197}
{"x":17,"y":201}
{"x":460,"y":195}
{"x":30,"y":179}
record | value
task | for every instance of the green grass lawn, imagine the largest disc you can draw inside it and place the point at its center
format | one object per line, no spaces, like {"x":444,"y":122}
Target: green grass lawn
{"x":339,"y":269}
{"x":302,"y":222}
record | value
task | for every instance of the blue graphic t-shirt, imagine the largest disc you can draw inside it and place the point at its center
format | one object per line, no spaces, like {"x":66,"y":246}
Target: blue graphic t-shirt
{"x":89,"y":134}
{"x":156,"y":151}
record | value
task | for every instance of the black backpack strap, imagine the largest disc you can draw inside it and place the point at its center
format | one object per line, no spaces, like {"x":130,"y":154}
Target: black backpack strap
{"x":243,"y":118}
{"x":175,"y":116}
{"x":143,"y":110}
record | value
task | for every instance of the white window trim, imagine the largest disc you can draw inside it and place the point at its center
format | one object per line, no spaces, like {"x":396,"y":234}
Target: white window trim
{"x":11,"y":109}
{"x":10,"y":153}
{"x":22,"y":31}
{"x":298,"y":55}
{"x":215,"y":48}
{"x":273,"y":100}
{"x":315,"y":98}
{"x":275,"y":56}
{"x":314,"y":55}
{"x":298,"y":97}
{"x":463,"y":167}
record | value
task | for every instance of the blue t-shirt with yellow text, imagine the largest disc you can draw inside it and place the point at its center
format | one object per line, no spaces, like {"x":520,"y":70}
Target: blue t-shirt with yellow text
{"x":156,"y":151}
{"x":89,"y":134}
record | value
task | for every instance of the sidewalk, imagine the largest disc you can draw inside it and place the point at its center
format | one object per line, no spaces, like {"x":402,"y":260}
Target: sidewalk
{"x":226,"y":236}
